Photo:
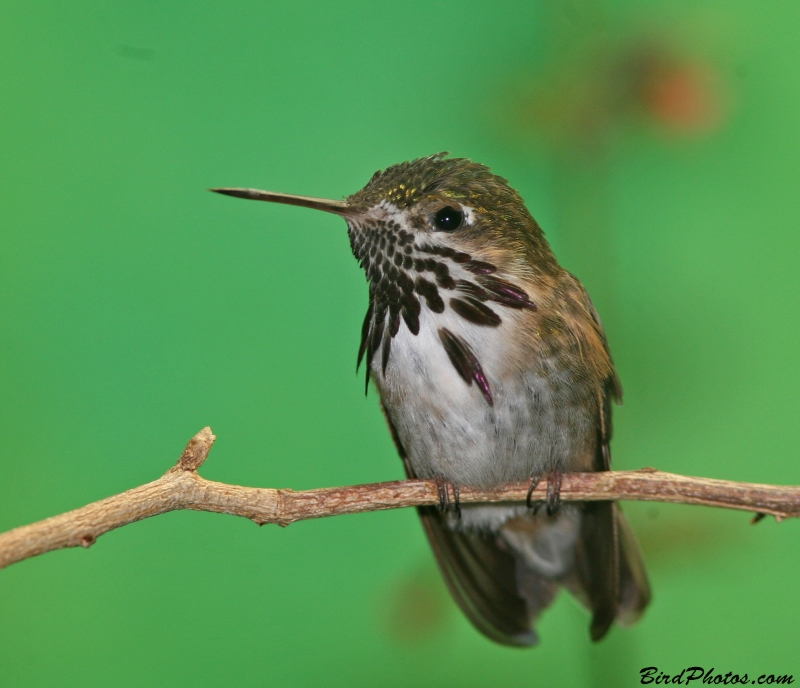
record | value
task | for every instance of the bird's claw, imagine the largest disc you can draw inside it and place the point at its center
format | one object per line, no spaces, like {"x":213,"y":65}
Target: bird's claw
{"x":553,"y":499}
{"x":535,"y":480}
{"x":553,"y":492}
{"x":444,"y":486}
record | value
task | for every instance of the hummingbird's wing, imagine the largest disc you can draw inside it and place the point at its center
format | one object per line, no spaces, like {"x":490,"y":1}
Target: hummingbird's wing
{"x":609,"y":575}
{"x":482,"y":574}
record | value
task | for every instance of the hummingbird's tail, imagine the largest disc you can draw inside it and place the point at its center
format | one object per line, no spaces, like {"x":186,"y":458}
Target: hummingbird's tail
{"x":503,"y":581}
{"x":608,"y":574}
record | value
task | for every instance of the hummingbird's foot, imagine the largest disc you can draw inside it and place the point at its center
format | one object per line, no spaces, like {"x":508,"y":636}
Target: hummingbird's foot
{"x":535,"y":480}
{"x":553,"y":492}
{"x":444,"y":486}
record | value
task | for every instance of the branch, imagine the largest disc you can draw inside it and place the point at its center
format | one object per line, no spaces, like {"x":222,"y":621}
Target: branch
{"x":183,"y":488}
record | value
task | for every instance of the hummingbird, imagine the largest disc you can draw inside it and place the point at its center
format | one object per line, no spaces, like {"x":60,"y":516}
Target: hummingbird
{"x":492,"y":366}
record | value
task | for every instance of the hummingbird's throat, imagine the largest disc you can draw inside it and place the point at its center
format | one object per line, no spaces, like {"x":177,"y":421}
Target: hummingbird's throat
{"x":407,"y":272}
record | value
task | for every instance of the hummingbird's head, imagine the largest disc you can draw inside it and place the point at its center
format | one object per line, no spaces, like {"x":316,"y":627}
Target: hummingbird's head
{"x":451,"y":204}
{"x":436,"y":232}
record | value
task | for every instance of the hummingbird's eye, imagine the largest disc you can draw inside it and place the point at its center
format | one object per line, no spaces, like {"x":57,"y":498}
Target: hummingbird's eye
{"x":447,"y":219}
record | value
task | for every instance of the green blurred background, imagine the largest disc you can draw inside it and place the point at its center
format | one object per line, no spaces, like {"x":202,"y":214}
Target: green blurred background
{"x":658,"y":148}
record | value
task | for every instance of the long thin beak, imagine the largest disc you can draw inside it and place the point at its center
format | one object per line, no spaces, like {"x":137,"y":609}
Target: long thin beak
{"x":335,"y":207}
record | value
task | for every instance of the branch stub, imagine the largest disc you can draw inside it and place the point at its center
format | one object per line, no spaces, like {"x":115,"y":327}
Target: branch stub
{"x":196,"y":451}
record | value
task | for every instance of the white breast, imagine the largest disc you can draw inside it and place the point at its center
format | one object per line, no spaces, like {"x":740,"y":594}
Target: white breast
{"x":448,"y":429}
